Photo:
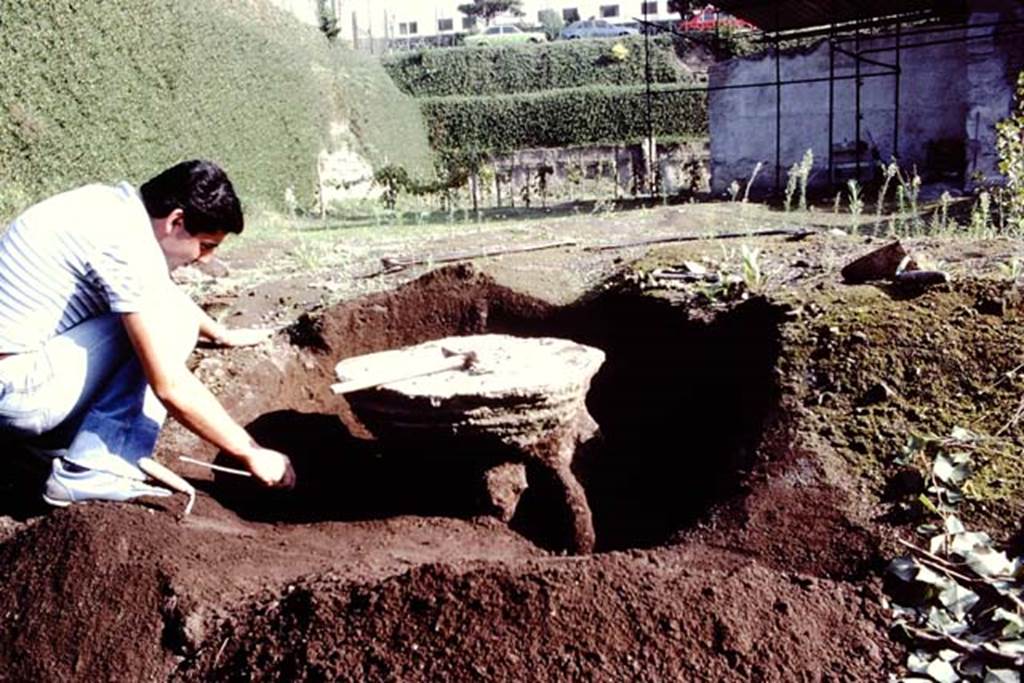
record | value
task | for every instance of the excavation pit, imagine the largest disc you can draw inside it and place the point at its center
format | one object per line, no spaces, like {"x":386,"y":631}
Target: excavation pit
{"x":387,"y":561}
{"x":682,"y":403}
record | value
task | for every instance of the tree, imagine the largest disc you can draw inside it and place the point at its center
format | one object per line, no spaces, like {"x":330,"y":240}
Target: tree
{"x":684,"y":7}
{"x":552,"y":22}
{"x":488,"y":9}
{"x":328,"y":19}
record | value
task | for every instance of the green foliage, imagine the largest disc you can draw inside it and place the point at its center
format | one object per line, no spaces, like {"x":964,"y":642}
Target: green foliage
{"x":96,"y":91}
{"x":328,"y":19}
{"x":512,"y":69}
{"x":393,"y":179}
{"x":1010,"y":145}
{"x":461,"y":126}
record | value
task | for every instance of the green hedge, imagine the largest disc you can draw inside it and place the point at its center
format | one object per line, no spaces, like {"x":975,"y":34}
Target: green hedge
{"x":100,"y":91}
{"x":462,"y":126}
{"x":444,"y":72}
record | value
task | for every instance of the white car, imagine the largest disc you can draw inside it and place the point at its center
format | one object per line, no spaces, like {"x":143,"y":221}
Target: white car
{"x":595,"y":28}
{"x":504,"y":35}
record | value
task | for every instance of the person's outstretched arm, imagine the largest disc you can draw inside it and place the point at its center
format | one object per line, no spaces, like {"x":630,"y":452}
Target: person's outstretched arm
{"x":192,"y":404}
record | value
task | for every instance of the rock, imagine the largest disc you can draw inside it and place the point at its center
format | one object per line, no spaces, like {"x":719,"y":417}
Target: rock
{"x":908,"y":481}
{"x":214,"y":268}
{"x":521,"y":395}
{"x":922,"y":278}
{"x":505,"y":485}
{"x":881,"y":264}
{"x":878,"y":393}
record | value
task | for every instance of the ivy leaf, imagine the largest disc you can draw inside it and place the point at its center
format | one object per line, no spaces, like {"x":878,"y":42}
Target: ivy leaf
{"x":941,"y":621}
{"x":953,"y":525}
{"x":1011,"y":647}
{"x":903,"y":568}
{"x":942,"y":468}
{"x":931,"y":578}
{"x":1002,"y":676}
{"x":942,"y":671}
{"x":917,"y":662}
{"x":988,"y":562}
{"x":962,"y":435}
{"x":964,"y":543}
{"x":957,"y":599}
{"x":1014,"y":625}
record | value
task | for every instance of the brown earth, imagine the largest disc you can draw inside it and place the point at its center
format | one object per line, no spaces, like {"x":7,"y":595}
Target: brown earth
{"x":744,"y":491}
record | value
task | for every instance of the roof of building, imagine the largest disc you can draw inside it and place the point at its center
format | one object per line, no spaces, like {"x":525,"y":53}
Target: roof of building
{"x":783,"y":15}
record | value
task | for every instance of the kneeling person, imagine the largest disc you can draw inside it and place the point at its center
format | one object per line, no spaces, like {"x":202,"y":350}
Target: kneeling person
{"x":94,"y":335}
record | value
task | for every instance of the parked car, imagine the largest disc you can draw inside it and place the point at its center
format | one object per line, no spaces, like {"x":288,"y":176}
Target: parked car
{"x":710,"y":18}
{"x":503,"y":35}
{"x":595,"y":28}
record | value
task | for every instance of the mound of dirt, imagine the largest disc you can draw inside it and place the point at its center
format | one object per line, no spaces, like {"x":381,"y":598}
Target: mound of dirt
{"x":740,"y":492}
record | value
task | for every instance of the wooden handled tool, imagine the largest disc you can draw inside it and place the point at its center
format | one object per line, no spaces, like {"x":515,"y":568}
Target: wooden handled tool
{"x":172,"y":480}
{"x":458,"y":361}
{"x":215,"y":468}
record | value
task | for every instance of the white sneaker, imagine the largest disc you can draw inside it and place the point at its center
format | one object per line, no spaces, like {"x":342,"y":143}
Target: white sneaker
{"x":68,"y":483}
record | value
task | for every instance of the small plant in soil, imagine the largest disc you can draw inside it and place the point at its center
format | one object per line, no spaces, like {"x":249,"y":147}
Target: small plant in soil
{"x":1012,"y":270}
{"x":981,"y":215}
{"x":796,"y":182}
{"x":856,"y":203}
{"x":734,"y":190}
{"x":753,"y":275}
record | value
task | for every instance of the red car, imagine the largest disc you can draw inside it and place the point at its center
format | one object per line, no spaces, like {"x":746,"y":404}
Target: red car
{"x":710,"y":17}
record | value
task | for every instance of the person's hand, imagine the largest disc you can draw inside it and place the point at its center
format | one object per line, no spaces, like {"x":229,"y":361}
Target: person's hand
{"x":243,"y":336}
{"x":271,"y":468}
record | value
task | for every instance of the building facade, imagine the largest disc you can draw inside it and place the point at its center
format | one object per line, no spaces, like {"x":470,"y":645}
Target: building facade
{"x":363,"y":20}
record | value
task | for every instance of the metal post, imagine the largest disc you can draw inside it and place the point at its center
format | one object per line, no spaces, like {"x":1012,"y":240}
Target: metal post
{"x":778,"y":118}
{"x":778,"y":106}
{"x":831,"y":107}
{"x":650,"y":123}
{"x":858,"y":82}
{"x":896,"y":97}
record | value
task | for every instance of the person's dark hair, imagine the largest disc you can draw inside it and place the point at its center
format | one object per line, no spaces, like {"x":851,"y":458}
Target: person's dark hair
{"x":199,"y":188}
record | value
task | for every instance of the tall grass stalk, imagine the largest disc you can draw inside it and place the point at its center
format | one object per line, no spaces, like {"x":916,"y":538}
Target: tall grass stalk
{"x":907,"y":193}
{"x":981,"y":215}
{"x":888,"y":173}
{"x":797,"y":180}
{"x":806,"y":164}
{"x":753,"y":176}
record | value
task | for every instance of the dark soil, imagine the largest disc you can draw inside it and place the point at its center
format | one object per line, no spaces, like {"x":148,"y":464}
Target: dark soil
{"x":741,"y":492}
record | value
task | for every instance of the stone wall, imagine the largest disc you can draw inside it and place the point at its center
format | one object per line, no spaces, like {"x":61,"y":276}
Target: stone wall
{"x":994,"y":59}
{"x":605,"y":171}
{"x":951,"y":96}
{"x":932,"y":110}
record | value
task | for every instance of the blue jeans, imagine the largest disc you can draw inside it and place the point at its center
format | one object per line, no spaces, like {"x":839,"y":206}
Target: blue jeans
{"x":84,"y":395}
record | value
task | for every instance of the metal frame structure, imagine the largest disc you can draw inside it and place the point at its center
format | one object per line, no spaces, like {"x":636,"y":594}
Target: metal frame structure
{"x":907,"y":31}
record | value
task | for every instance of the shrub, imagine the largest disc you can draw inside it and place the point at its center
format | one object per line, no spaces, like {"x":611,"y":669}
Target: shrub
{"x":598,"y":114}
{"x":1010,"y":145}
{"x":509,"y":69}
{"x":97,"y":91}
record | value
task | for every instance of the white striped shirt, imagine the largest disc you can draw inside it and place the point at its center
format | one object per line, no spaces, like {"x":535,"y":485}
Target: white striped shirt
{"x":73,"y":257}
